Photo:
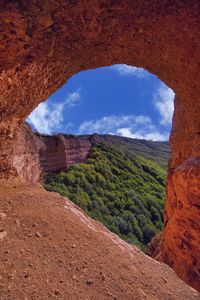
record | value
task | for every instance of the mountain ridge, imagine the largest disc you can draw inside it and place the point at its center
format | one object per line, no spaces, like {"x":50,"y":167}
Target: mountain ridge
{"x":154,"y":150}
{"x":35,"y":153}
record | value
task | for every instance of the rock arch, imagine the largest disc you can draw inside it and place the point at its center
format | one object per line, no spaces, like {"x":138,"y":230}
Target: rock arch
{"x":43,"y":43}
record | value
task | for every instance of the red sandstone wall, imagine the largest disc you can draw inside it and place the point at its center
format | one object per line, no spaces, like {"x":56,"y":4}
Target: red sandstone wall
{"x":53,"y":158}
{"x":25,"y":156}
{"x":34,"y":154}
{"x":61,"y":152}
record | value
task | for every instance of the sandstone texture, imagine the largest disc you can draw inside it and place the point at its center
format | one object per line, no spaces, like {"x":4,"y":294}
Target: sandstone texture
{"x":34,"y":154}
{"x":62,"y":152}
{"x":26,"y":155}
{"x":49,"y":249}
{"x":43,"y":43}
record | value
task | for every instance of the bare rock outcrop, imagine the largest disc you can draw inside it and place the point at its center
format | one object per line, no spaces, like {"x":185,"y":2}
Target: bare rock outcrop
{"x":182,"y":221}
{"x":26,"y":155}
{"x":62,"y":152}
{"x":44,"y":43}
{"x":34,"y":153}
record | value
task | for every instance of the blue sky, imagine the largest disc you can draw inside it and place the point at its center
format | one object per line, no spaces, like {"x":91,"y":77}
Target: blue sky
{"x":119,"y":99}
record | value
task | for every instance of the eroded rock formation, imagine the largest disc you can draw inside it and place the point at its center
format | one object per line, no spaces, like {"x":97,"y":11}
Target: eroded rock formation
{"x":62,"y":152}
{"x":43,"y":43}
{"x":26,"y":155}
{"x":34,"y":153}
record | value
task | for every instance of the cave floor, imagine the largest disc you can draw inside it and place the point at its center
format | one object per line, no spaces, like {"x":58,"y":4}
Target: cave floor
{"x":50,"y":249}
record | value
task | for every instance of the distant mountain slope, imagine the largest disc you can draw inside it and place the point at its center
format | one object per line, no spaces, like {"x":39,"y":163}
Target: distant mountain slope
{"x":157,"y":151}
{"x":118,"y":185}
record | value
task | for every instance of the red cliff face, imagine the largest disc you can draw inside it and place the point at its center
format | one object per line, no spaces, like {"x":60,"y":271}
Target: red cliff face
{"x":25,"y":156}
{"x":44,"y":43}
{"x":61,"y":152}
{"x":34,"y":154}
{"x":181,"y":235}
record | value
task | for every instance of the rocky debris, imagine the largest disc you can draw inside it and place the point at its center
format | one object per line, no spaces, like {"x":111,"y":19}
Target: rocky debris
{"x":110,"y":295}
{"x":2,"y":216}
{"x":57,"y":292}
{"x":102,"y":276}
{"x":37,"y":234}
{"x":74,"y":277}
{"x":3,"y":234}
{"x":90,"y":281}
{"x":17,"y":222}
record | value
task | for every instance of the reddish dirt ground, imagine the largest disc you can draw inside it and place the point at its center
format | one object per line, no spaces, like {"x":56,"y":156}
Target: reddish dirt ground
{"x":50,"y":249}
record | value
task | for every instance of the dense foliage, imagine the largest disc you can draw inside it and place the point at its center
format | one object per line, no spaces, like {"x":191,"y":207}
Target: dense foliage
{"x":126,"y":192}
{"x":158,"y":152}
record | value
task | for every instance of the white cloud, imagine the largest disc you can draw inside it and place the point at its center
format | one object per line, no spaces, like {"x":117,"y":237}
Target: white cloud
{"x":112,"y":123}
{"x":153,"y":135}
{"x":73,"y":99}
{"x":125,"y":70}
{"x":48,"y":118}
{"x":133,"y":126}
{"x":164,"y":103}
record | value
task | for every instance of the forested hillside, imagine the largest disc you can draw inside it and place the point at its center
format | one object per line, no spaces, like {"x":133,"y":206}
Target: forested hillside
{"x":123,"y":190}
{"x":159,"y":152}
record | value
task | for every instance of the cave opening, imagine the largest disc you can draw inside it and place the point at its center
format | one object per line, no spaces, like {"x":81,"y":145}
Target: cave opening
{"x":106,"y":147}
